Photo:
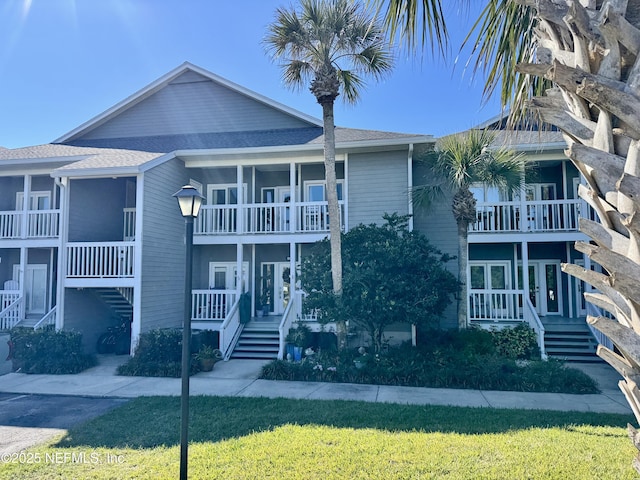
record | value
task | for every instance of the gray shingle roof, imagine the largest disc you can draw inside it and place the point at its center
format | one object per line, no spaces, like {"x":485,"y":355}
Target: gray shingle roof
{"x":261,"y":138}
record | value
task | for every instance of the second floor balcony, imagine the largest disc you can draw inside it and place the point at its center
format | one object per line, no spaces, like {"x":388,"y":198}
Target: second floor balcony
{"x":265,"y":218}
{"x":529,"y":216}
{"x":31,"y":224}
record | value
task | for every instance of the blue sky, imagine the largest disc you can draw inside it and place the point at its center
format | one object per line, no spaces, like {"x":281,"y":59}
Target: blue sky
{"x":63,"y":62}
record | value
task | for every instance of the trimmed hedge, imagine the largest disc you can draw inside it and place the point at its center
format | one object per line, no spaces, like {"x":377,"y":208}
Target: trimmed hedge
{"x":159,"y":353}
{"x":48,"y":351}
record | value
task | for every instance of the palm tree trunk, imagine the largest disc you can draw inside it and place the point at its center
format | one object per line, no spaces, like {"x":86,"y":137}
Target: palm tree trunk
{"x":463,"y":262}
{"x":334,"y":212}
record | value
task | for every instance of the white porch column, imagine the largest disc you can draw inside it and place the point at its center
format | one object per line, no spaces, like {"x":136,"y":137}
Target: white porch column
{"x":24,"y":259}
{"x":293,"y":211}
{"x":240,"y":206}
{"x":292,"y":271}
{"x":136,"y":324}
{"x":525,"y":272}
{"x":253,"y":290}
{"x":25,"y":207}
{"x":239,"y":253}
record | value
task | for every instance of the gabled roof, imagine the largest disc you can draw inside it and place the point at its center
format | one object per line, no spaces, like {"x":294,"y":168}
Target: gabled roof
{"x":163,"y":82}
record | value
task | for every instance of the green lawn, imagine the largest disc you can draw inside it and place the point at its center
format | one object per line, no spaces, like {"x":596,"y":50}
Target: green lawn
{"x":262,"y":438}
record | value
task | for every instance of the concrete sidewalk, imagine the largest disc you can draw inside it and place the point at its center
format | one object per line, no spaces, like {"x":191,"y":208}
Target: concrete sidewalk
{"x":239,"y":378}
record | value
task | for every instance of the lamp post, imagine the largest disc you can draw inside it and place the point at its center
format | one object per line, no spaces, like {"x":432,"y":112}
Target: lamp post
{"x":190,"y":201}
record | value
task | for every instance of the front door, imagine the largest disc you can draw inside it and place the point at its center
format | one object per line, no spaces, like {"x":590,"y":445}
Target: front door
{"x":35,"y":281}
{"x":275,"y":288}
{"x":544,"y":286}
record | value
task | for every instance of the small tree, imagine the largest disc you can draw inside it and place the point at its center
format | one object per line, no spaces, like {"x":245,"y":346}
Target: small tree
{"x":390,"y":275}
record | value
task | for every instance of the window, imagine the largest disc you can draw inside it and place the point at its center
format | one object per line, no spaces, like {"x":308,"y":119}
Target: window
{"x":315,"y":191}
{"x":37,"y":200}
{"x":224,"y":194}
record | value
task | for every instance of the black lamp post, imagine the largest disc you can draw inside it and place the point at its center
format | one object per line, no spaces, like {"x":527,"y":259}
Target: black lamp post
{"x":190,"y":202}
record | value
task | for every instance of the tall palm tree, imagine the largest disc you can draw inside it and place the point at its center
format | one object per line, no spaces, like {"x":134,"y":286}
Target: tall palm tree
{"x":588,"y":51}
{"x":329,"y":45}
{"x":463,"y":160}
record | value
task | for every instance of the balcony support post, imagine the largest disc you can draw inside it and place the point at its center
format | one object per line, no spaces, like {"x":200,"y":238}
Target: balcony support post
{"x":525,"y":271}
{"x":24,"y":233}
{"x":240,"y":205}
{"x":293,"y":211}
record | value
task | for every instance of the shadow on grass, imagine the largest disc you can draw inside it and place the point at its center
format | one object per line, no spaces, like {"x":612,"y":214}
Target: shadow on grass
{"x":154,"y":421}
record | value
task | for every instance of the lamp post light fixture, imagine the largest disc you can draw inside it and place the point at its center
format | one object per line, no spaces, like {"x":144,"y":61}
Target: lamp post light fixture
{"x":190,"y":201}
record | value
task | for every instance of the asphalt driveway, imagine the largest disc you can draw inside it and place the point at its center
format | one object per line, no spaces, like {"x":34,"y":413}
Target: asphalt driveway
{"x":28,"y":420}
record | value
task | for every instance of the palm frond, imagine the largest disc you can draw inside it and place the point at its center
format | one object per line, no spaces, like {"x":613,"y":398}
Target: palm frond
{"x":426,"y":196}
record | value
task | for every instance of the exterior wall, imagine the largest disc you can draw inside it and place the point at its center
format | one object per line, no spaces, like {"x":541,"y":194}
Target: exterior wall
{"x":9,"y":186}
{"x":96,"y":209}
{"x":163,"y":250}
{"x":85,"y":313}
{"x":377,"y":184}
{"x":10,"y":257}
{"x":203,"y":254}
{"x":194,"y":104}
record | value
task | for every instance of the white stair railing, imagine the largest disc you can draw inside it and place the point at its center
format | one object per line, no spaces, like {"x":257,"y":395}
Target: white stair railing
{"x":288,"y":317}
{"x":602,"y":339}
{"x":230,"y":331}
{"x":532,"y":318}
{"x":48,"y":319}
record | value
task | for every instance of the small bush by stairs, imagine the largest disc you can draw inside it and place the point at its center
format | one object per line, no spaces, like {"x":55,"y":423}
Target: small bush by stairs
{"x":258,"y":340}
{"x":572,"y":342}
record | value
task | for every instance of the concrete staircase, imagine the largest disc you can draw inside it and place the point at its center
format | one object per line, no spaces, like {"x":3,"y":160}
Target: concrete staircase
{"x":572,"y":342}
{"x":259,"y":340}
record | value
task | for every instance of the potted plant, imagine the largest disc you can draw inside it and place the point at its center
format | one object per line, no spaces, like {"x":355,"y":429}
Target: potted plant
{"x":265,"y":304}
{"x":300,"y":338}
{"x":207,"y":356}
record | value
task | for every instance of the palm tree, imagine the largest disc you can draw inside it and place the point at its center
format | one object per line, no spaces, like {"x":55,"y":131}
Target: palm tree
{"x":463,"y":160}
{"x":329,"y":45}
{"x":588,"y":52}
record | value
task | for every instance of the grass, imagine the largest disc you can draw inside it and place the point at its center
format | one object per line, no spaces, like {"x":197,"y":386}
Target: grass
{"x":265,"y":438}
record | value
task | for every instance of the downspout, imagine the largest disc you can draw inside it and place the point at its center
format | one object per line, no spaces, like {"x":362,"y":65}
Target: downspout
{"x":63,"y":234}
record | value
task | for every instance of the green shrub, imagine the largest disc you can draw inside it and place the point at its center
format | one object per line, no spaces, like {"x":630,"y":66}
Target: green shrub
{"x":438,"y":365}
{"x":48,"y":351}
{"x":158,"y":354}
{"x":518,"y":343}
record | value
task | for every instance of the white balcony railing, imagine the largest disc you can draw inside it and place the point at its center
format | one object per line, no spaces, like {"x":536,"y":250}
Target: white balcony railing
{"x":100,"y":260}
{"x":211,"y":305}
{"x":495,"y":305}
{"x":39,"y":224}
{"x":540,"y":216}
{"x":265,"y":218}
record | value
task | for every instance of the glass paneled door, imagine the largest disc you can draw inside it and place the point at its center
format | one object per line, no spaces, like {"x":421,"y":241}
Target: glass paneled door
{"x":276,"y":289}
{"x":35,"y":281}
{"x":488,"y":284}
{"x":544,"y":286}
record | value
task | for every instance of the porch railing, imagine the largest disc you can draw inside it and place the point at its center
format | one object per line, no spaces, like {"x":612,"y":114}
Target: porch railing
{"x":211,"y":305}
{"x":40,"y":224}
{"x":230,"y":331}
{"x":265,"y":218}
{"x":540,"y":216}
{"x":495,"y":305}
{"x":10,"y":310}
{"x":532,"y":318}
{"x":48,"y":319}
{"x":100,"y":260}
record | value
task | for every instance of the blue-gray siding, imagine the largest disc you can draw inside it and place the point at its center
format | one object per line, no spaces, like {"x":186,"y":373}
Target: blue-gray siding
{"x":377,"y":184}
{"x":163,"y":248}
{"x":194,"y":104}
